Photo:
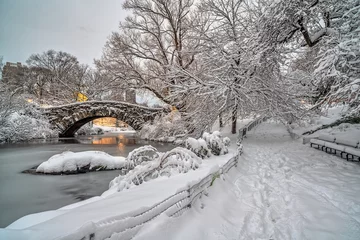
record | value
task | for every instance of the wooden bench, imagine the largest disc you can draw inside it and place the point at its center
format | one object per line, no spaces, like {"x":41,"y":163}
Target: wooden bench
{"x":348,"y":148}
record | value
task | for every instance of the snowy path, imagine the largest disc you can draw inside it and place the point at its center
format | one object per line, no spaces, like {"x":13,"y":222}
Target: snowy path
{"x":281,"y":189}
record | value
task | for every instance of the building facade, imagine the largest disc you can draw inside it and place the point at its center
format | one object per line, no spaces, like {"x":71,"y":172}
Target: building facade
{"x":13,"y":75}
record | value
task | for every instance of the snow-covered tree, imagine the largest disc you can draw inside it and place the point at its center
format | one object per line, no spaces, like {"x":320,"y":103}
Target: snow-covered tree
{"x":152,"y":40}
{"x":58,"y":75}
{"x":19,"y":120}
{"x":327,"y":34}
{"x":338,"y":66}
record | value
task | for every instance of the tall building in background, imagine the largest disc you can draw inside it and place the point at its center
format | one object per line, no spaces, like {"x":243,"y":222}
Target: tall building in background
{"x":13,"y":75}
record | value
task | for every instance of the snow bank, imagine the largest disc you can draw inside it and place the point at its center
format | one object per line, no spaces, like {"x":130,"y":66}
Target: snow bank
{"x":328,"y":116}
{"x":69,"y":162}
{"x":344,"y":131}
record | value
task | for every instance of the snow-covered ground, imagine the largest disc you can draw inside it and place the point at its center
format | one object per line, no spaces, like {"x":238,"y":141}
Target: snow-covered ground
{"x":329,"y":116}
{"x":344,"y":131}
{"x":281,"y":189}
{"x":72,"y":162}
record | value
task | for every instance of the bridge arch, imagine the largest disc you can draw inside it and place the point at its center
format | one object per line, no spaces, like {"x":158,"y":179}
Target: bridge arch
{"x":69,"y":118}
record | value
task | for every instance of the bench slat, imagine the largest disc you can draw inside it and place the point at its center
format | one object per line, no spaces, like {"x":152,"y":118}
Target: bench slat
{"x":350,"y":143}
{"x":328,"y":138}
{"x":335,"y":146}
{"x":353,"y":151}
{"x":318,"y":142}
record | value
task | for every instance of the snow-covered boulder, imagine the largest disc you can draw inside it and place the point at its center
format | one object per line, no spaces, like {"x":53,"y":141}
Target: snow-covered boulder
{"x":70,"y":162}
{"x":198,"y":146}
{"x":215,"y":142}
{"x":178,"y":160}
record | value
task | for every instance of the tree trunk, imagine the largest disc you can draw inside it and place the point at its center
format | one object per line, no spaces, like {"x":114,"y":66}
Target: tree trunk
{"x":221,"y":124}
{"x":41,"y":95}
{"x":233,"y":120}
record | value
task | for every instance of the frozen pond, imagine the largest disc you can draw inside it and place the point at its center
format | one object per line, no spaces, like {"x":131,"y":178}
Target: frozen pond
{"x":22,"y":194}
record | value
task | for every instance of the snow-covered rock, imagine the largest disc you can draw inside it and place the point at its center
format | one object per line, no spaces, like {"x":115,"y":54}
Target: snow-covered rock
{"x":70,"y":162}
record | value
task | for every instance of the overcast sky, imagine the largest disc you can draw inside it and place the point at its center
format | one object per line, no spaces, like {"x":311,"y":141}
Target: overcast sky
{"x":79,"y":27}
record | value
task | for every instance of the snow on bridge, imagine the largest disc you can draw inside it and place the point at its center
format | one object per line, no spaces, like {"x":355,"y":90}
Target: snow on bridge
{"x":69,"y":118}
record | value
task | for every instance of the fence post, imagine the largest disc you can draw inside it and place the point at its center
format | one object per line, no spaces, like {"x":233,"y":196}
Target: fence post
{"x":189,"y":196}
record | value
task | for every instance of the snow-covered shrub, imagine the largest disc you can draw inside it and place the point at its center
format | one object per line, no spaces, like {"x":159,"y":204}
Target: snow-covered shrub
{"x":136,"y":176}
{"x":198,"y":146}
{"x":215,"y":142}
{"x":164,"y":128}
{"x":178,"y":160}
{"x":142,"y":154}
{"x":226,"y":141}
{"x":21,"y":121}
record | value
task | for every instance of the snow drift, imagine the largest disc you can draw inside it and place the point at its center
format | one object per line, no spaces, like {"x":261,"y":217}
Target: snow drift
{"x":70,"y":162}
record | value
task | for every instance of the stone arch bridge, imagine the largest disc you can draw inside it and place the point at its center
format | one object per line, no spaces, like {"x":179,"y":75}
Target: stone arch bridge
{"x":69,"y":118}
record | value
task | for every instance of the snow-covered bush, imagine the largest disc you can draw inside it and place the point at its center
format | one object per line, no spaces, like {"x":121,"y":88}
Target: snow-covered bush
{"x":141,"y":154}
{"x":21,"y":121}
{"x":226,"y":141}
{"x":215,"y":142}
{"x":178,"y":160}
{"x":164,"y":128}
{"x":198,"y":146}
